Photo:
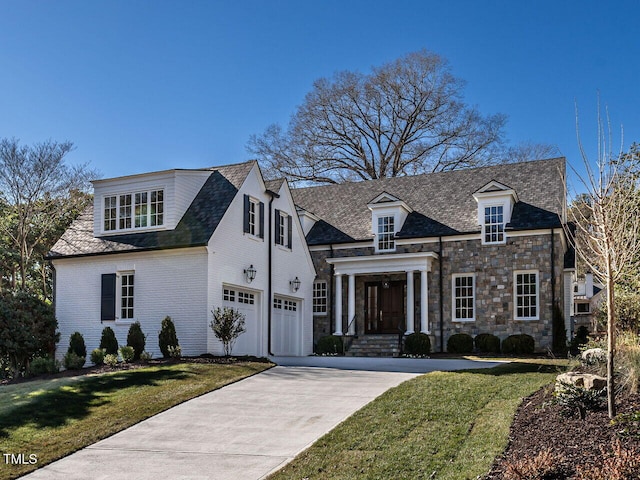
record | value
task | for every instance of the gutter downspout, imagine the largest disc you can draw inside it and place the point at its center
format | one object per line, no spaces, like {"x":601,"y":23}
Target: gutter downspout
{"x":273,"y":196}
{"x":441,"y":296}
{"x":553,"y":274}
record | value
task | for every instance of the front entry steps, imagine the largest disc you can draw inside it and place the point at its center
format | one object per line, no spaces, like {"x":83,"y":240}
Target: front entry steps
{"x":379,"y":345}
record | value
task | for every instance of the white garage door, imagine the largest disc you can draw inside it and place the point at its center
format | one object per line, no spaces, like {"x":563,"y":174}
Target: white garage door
{"x":285,"y":335}
{"x":246,"y":303}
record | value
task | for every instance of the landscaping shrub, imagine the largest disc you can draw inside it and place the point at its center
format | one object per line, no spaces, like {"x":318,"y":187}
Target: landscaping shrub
{"x":628,"y":361}
{"x":331,"y":344}
{"x":127,"y":353}
{"x":175,"y":351}
{"x":573,"y":398}
{"x":41,"y":365}
{"x":460,"y":343}
{"x":417,"y":344}
{"x":27,"y":329}
{"x":146,"y":356}
{"x":97,"y":356}
{"x":76,"y":345}
{"x":545,"y":465}
{"x":559,"y":339}
{"x":167,"y":336}
{"x":487,"y":343}
{"x":111,"y":359}
{"x":580,"y":339}
{"x":73,"y":362}
{"x":521,"y":344}
{"x":108,"y":341}
{"x":227,"y":326}
{"x":618,"y":463}
{"x":136,"y":339}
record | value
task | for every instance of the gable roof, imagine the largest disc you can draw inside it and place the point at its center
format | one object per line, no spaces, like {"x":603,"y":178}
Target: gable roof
{"x":195,"y":228}
{"x":442,"y":203}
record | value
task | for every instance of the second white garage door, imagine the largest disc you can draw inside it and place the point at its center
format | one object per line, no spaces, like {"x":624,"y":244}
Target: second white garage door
{"x":285,"y":327}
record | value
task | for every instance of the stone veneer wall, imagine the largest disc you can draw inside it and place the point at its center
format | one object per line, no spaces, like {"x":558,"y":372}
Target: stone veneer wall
{"x":493,"y":267}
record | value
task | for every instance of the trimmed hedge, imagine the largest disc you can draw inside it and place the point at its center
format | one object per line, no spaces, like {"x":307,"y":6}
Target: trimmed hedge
{"x":460,"y":343}
{"x":487,"y":343}
{"x":329,"y":344}
{"x":417,"y":344}
{"x":521,"y":344}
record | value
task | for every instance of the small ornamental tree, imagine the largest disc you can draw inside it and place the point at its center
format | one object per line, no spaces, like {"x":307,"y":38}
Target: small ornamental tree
{"x":136,"y":339}
{"x":108,"y":341}
{"x":227,"y":326}
{"x":167,"y":336}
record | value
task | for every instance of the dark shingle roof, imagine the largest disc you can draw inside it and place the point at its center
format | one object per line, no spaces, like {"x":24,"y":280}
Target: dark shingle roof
{"x":442,"y":203}
{"x":194,"y":228}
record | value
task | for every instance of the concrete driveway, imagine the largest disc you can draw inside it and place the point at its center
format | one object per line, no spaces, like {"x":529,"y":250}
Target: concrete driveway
{"x":242,"y":431}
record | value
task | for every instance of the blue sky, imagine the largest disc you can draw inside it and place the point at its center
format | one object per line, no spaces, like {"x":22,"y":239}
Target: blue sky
{"x":149,"y":85}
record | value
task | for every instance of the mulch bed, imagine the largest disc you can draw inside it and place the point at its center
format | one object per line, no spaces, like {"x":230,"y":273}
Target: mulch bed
{"x":206,"y":358}
{"x":569,"y":444}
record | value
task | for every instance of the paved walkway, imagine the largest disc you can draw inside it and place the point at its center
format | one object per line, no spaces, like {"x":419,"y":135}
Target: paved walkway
{"x":242,"y":431}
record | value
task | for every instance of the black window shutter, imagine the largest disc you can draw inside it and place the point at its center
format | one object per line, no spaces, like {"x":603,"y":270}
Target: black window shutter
{"x":289,"y":227}
{"x":276,"y":216}
{"x":245,"y":227}
{"x":108,"y":297}
{"x":261,"y":220}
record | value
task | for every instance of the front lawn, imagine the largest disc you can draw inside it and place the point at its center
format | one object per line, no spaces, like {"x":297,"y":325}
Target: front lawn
{"x":443,"y":425}
{"x":53,"y":418}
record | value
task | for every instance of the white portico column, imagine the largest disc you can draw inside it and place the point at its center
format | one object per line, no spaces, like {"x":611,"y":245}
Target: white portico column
{"x":338,"y":307}
{"x":424,"y":302}
{"x":351,"y":305}
{"x":410,"y":304}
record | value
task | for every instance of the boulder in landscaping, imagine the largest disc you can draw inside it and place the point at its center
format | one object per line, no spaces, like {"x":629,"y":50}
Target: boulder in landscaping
{"x":588,"y":381}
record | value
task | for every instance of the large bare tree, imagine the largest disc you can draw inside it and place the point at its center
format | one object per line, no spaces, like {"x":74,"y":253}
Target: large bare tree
{"x":607,"y":235}
{"x":405,"y":117}
{"x":38,"y":191}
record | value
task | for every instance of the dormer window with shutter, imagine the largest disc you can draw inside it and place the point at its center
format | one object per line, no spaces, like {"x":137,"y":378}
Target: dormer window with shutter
{"x":495,"y":206}
{"x":253,"y":217}
{"x":388,"y":214}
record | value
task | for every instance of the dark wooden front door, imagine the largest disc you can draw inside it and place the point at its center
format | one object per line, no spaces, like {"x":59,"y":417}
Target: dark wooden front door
{"x":384,"y":307}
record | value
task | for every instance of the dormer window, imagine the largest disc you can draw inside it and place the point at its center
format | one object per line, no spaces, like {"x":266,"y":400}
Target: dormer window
{"x":253,"y":222}
{"x":494,"y":224}
{"x":386,"y":233}
{"x":133,"y":210}
{"x":388,"y":214}
{"x":495,"y":206}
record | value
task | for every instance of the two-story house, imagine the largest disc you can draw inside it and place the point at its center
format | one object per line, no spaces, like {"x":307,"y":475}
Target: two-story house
{"x":477,"y":251}
{"x":180,"y":243}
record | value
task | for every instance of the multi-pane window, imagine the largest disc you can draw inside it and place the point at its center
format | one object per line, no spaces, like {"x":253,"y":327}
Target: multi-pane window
{"x":280,"y":304}
{"x":110,"y":213}
{"x":125,"y":211}
{"x":253,"y":217}
{"x":126,"y":295}
{"x":229,"y":295}
{"x":246,"y":297}
{"x":283,"y":227}
{"x":386,"y":231}
{"x":141,"y":209}
{"x":494,"y":224}
{"x":134,"y":210}
{"x":320,"y":297}
{"x":526,"y":295}
{"x":463,"y":298}
{"x":156,"y":210}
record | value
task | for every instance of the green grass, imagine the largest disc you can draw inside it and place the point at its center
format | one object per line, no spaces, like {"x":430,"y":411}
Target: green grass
{"x":443,"y":425}
{"x":53,"y":418}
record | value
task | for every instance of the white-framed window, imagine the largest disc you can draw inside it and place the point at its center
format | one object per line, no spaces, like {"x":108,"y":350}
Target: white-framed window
{"x":494,"y":224}
{"x":386,"y":233}
{"x":253,"y":222}
{"x":110,"y":213}
{"x":229,"y":295}
{"x":127,"y":295}
{"x":283,"y":229}
{"x":320,"y":297}
{"x":526,"y":295}
{"x":464,"y":295}
{"x":246,"y":297}
{"x":582,"y":308}
{"x":129,"y":211}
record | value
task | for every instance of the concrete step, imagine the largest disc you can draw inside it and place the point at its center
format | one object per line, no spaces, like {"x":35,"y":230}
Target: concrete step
{"x":374,"y":346}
